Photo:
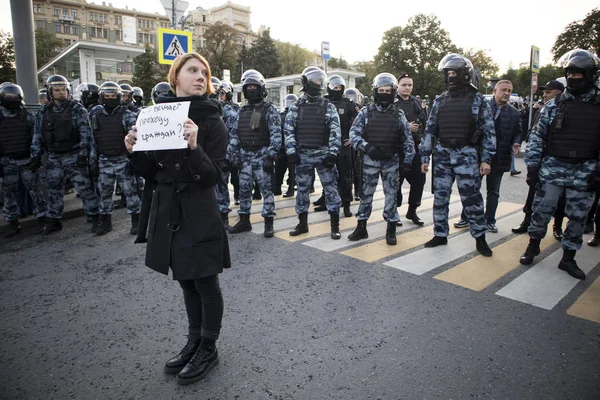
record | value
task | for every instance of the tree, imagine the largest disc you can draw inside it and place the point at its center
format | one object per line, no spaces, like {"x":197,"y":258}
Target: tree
{"x":7,"y":58}
{"x":484,"y":63}
{"x":293,"y":58}
{"x":221,"y":48}
{"x":147,"y":72}
{"x":338,"y":63}
{"x":47,"y":46}
{"x":364,"y":84}
{"x":584,"y":34}
{"x":263,"y":55}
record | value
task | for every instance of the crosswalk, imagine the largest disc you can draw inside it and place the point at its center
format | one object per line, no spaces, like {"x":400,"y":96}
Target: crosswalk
{"x":540,"y":285}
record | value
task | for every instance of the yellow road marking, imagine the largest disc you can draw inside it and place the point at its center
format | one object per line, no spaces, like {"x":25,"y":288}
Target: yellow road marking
{"x":587,"y":305}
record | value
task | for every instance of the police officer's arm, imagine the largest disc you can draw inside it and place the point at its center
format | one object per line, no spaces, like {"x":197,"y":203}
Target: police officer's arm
{"x":234,"y":146}
{"x":82,"y":123}
{"x":431,"y":130}
{"x":539,"y":135}
{"x":332,"y":119}
{"x":37,"y":143}
{"x":357,"y":131}
{"x":408,"y":144}
{"x":229,"y":117}
{"x":289,"y":129}
{"x":485,"y":124}
{"x":274,"y":124}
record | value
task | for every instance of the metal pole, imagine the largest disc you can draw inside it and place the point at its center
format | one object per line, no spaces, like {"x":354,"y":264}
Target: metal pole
{"x":173,"y":13}
{"x":530,"y":102}
{"x":25,"y":59}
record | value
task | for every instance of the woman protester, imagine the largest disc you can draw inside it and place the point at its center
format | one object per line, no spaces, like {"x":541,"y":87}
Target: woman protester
{"x":182,"y":225}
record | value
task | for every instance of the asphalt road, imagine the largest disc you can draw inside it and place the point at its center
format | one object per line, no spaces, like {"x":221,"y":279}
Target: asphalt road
{"x":83,"y":318}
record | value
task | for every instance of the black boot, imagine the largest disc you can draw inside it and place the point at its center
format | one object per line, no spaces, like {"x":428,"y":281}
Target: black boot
{"x":412,"y":215}
{"x":437,"y":241}
{"x":95,"y":222}
{"x":557,"y":231}
{"x":15,"y":228}
{"x":399,"y":222}
{"x":105,"y":225}
{"x":334,"y":220}
{"x":269,"y":232}
{"x":290,"y":192}
{"x":243,"y":224}
{"x":360,"y":232}
{"x":135,"y":220}
{"x":569,"y":264}
{"x":41,"y":222}
{"x":302,"y":227}
{"x":225,"y":220}
{"x":202,"y":361}
{"x":482,"y":247}
{"x":347,"y":212}
{"x":320,"y":201}
{"x":390,"y":234}
{"x":532,"y":250}
{"x":176,"y":364}
{"x":595,"y":240}
{"x":320,"y":208}
{"x":52,"y":225}
{"x":524,"y":225}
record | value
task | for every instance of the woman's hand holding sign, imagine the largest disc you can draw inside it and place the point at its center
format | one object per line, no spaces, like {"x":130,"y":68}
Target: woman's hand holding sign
{"x":130,"y":139}
{"x":190,"y":134}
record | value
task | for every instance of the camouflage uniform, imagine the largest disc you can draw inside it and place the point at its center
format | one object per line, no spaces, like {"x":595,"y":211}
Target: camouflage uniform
{"x":114,"y":167}
{"x":387,"y":167}
{"x":461,"y":164}
{"x":556,"y":177}
{"x":314,"y":158}
{"x":62,"y":165}
{"x":15,"y":168}
{"x":252,"y":162}
{"x":230,"y":111}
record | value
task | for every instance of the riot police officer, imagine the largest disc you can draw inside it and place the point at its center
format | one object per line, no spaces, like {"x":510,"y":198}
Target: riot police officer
{"x":312,"y":140}
{"x":563,"y":153}
{"x":460,"y":121}
{"x":255,"y":142}
{"x":127,"y":99}
{"x":138,"y":96}
{"x":63,"y":130}
{"x":379,"y":130}
{"x":158,"y":89}
{"x":16,"y":133}
{"x":282,"y":163}
{"x":357,"y":156}
{"x":87,"y":94}
{"x":43,"y":97}
{"x":110,"y":123}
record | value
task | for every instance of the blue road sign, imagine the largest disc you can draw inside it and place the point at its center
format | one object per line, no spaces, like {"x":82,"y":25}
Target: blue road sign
{"x":173,"y":43}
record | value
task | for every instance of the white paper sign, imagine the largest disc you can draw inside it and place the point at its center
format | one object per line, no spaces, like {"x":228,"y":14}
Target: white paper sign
{"x":160,"y":127}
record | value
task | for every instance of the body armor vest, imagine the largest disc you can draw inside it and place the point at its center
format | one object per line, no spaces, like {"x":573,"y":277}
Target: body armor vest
{"x":344,"y":111}
{"x":311,"y":130}
{"x":252,"y":127}
{"x":15,"y":136}
{"x":456,"y":125}
{"x":109,"y":133}
{"x":574,"y":133}
{"x":383,"y":130}
{"x":58,"y":130}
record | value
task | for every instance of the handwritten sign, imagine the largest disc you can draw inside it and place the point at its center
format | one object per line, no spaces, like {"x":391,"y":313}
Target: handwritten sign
{"x":160,"y":127}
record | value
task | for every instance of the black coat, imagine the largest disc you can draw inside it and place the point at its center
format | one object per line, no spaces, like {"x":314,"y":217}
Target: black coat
{"x":508,"y":132}
{"x":184,"y":230}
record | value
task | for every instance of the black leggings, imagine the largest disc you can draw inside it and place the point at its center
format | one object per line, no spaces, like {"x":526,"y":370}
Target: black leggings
{"x":204,"y":307}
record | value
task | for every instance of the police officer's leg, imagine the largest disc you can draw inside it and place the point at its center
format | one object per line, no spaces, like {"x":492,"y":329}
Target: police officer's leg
{"x":246,"y":183}
{"x":10,"y":185}
{"x":130,"y":189}
{"x":370,"y":175}
{"x":344,"y":167}
{"x":589,"y":222}
{"x":444,"y":176}
{"x":83,"y":185}
{"x":264,"y":180}
{"x":545,"y":204}
{"x":106,"y":182}
{"x":280,"y":168}
{"x":304,"y":176}
{"x":527,"y":209}
{"x":389,"y":176}
{"x":56,"y":178}
{"x":32,"y":182}
{"x":559,"y":216}
{"x":329,"y":179}
{"x":222,"y":195}
{"x":468,"y":181}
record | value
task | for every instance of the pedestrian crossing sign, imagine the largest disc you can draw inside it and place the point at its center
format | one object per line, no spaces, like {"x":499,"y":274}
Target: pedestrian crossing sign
{"x":172,"y":43}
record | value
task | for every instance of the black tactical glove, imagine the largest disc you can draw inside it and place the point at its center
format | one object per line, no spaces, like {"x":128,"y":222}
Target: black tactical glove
{"x":294,"y":158}
{"x":269,"y":165}
{"x":35,"y":164}
{"x":81,"y":162}
{"x":329,"y":161}
{"x":226,"y":166}
{"x":533,"y":176}
{"x":406,"y":168}
{"x":372,"y":152}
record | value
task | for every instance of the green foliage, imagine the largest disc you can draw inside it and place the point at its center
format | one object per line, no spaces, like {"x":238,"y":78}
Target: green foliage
{"x":240,"y":65}
{"x":47,"y":46}
{"x":263,"y":56}
{"x":521,"y":78}
{"x":364,"y":84}
{"x":338,"y":63}
{"x":148,"y":72}
{"x":293,"y":58}
{"x":584,"y":34}
{"x":221,"y":48}
{"x":7,"y":58}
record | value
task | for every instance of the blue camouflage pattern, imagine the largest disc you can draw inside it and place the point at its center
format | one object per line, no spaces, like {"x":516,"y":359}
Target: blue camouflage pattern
{"x":13,"y":170}
{"x":117,"y":169}
{"x":229,"y":116}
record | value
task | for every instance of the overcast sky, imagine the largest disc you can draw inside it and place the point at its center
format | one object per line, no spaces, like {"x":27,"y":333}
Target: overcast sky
{"x":506,"y":29}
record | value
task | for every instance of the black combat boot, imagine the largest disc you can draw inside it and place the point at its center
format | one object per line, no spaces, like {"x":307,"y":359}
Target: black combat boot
{"x":95,"y":222}
{"x":412,"y":215}
{"x":135,"y":220}
{"x":390,"y":234}
{"x":482,"y":247}
{"x":302,"y":226}
{"x":524,"y":225}
{"x":595,"y":240}
{"x":334,"y":220}
{"x":360,"y":232}
{"x":225,"y":220}
{"x":269,"y":232}
{"x":532,"y":250}
{"x":347,"y":212}
{"x":41,"y":222}
{"x":437,"y":241}
{"x":320,"y":201}
{"x":176,"y":364}
{"x":15,"y":228}
{"x":52,"y":225}
{"x":202,"y":361}
{"x":243,"y":225}
{"x":105,"y":225}
{"x":557,"y":231}
{"x":569,"y":264}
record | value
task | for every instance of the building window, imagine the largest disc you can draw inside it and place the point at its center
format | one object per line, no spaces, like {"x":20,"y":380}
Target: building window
{"x":96,"y":17}
{"x":140,"y":37}
{"x":75,"y":30}
{"x":58,"y":28}
{"x":66,"y":29}
{"x":152,"y":25}
{"x":57,"y":12}
{"x":105,"y":33}
{"x":92,"y":32}
{"x":146,"y":39}
{"x":91,"y":16}
{"x":105,"y":17}
{"x":116,"y":20}
{"x":37,"y":8}
{"x":39,"y":24}
{"x":65,"y":11}
{"x":74,"y":14}
{"x":118,"y":34}
{"x":139,"y":23}
{"x":151,"y":39}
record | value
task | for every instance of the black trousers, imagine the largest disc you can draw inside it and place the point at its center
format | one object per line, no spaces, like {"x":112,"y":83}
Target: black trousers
{"x":357,"y":169}
{"x":594,"y":210}
{"x":281,"y":166}
{"x":235,"y":181}
{"x":416,"y":179}
{"x":204,"y":307}
{"x":345,"y":171}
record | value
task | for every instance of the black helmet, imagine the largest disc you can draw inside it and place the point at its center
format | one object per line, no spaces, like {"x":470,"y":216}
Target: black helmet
{"x":11,"y":96}
{"x":56,"y":80}
{"x":352,"y":94}
{"x":332,"y":82}
{"x":87,"y":93}
{"x":160,"y":88}
{"x":290,"y":99}
{"x":43,"y":93}
{"x":127,"y":90}
{"x":110,"y":87}
{"x":461,"y":65}
{"x":249,"y":72}
{"x":227,"y":89}
{"x":384,"y":79}
{"x":216,"y":82}
{"x":254,"y":78}
{"x":581,"y":61}
{"x":313,"y":79}
{"x":138,"y":96}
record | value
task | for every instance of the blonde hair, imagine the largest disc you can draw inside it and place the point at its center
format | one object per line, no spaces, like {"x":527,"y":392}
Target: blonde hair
{"x":180,"y":62}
